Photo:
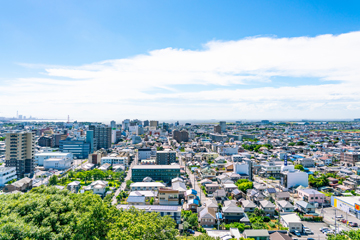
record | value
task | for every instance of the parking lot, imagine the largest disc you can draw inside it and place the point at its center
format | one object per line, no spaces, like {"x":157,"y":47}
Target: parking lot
{"x":315,"y":228}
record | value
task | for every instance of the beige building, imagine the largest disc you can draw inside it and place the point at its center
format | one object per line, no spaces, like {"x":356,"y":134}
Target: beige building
{"x":20,"y":152}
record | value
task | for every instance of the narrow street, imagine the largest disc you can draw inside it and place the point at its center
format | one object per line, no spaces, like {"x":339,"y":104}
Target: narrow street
{"x":123,"y":184}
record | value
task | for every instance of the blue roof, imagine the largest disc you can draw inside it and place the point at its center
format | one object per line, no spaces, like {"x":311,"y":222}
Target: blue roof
{"x":310,"y":173}
{"x":219,"y":215}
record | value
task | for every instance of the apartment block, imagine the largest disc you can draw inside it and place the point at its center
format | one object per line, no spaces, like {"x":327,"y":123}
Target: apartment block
{"x":165,"y":157}
{"x":20,"y":152}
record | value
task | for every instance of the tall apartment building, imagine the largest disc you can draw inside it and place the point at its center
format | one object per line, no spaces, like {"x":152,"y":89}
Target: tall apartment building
{"x":223,"y":126}
{"x":113,"y":124}
{"x":19,"y":152}
{"x":154,"y":123}
{"x":181,"y":136}
{"x":350,"y":158}
{"x":102,"y":134}
{"x":165,"y":157}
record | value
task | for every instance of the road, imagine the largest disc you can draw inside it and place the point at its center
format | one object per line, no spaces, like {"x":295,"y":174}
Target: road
{"x":329,"y":216}
{"x":203,"y":198}
{"x":123,"y":184}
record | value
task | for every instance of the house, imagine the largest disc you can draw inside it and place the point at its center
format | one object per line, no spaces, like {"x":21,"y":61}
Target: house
{"x":105,"y":167}
{"x":236,"y":194}
{"x":211,"y":204}
{"x":212,"y":187}
{"x":257,"y":234}
{"x":268,"y":207}
{"x":350,"y":184}
{"x":98,"y":187}
{"x":147,"y":194}
{"x":208,"y":173}
{"x":248,"y":206}
{"x":74,"y":186}
{"x":21,"y":185}
{"x":279,"y":196}
{"x":136,"y":200}
{"x":232,"y":213}
{"x":279,"y":236}
{"x":220,"y":195}
{"x":205,"y":181}
{"x":254,"y":195}
{"x":305,"y":207}
{"x":305,"y":162}
{"x":168,"y":196}
{"x":291,"y":221}
{"x":207,"y":217}
{"x":143,"y":186}
{"x":311,"y":195}
{"x":190,"y":194}
{"x":193,"y":204}
{"x":229,"y":188}
{"x":181,"y":187}
{"x":285,"y":206}
{"x":229,"y":167}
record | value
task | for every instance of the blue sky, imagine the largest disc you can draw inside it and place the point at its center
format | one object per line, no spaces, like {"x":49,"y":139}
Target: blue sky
{"x":55,"y":54}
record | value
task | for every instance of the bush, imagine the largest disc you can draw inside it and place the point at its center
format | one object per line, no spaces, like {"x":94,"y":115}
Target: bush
{"x":266,"y":219}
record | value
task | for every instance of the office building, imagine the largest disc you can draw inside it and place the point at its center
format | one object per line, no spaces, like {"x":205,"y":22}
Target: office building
{"x":20,"y":152}
{"x":57,"y":163}
{"x":113,"y":124}
{"x":41,"y":157}
{"x":154,"y":123}
{"x":155,"y":172}
{"x":144,"y":153}
{"x":136,"y":139}
{"x":289,"y":177}
{"x":181,"y":136}
{"x":126,"y":124}
{"x":102,"y":134}
{"x":165,"y":157}
{"x":45,"y":141}
{"x":350,"y":158}
{"x":115,"y":160}
{"x":217,"y":129}
{"x":6,"y":175}
{"x":90,"y":139}
{"x":222,"y":126}
{"x":146,"y":123}
{"x":244,"y":169}
{"x":79,"y":148}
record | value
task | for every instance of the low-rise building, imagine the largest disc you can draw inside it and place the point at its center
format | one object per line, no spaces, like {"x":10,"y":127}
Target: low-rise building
{"x":7,"y":174}
{"x":156,"y":172}
{"x":291,"y":221}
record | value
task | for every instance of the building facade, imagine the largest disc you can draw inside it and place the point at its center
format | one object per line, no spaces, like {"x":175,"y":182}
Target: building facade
{"x":102,"y":134}
{"x":6,"y":175}
{"x":78,"y":148}
{"x":165,"y":157}
{"x":20,"y":152}
{"x":156,"y":172}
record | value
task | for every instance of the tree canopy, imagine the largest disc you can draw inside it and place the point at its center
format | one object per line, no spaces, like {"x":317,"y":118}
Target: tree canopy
{"x":50,"y":213}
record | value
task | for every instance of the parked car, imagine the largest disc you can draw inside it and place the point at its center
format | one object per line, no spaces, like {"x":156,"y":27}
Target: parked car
{"x":310,"y":239}
{"x":339,"y":216}
{"x":297,"y":233}
{"x":343,"y":220}
{"x":191,"y":231}
{"x":324,"y":229}
{"x":353,"y":224}
{"x":308,"y":231}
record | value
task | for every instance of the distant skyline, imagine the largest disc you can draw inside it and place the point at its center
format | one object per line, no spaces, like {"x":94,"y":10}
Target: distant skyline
{"x":99,"y":61}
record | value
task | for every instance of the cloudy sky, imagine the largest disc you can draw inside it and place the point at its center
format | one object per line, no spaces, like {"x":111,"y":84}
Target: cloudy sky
{"x":108,"y":60}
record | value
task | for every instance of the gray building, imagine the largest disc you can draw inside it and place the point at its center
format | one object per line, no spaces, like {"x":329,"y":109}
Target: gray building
{"x":102,"y":134}
{"x":156,"y":172}
{"x":165,"y":157}
{"x":19,"y":152}
{"x":78,"y":148}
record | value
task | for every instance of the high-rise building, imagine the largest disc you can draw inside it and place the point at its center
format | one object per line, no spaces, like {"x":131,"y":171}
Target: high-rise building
{"x":165,"y":157}
{"x":181,"y":136}
{"x":102,"y":134}
{"x":154,"y":123}
{"x":223,"y":126}
{"x":19,"y":152}
{"x":146,"y":123}
{"x":79,"y":148}
{"x":217,"y":129}
{"x":113,"y":124}
{"x":126,"y":124}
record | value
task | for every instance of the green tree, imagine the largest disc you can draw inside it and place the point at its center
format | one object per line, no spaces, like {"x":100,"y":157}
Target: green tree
{"x":53,"y":180}
{"x":299,"y":167}
{"x":151,"y":201}
{"x":128,"y":183}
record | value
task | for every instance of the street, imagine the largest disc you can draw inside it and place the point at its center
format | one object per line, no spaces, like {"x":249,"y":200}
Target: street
{"x":123,"y":184}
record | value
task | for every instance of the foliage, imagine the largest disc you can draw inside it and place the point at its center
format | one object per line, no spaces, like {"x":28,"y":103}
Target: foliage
{"x":152,"y":201}
{"x":128,"y":183}
{"x":190,"y":217}
{"x":256,"y":147}
{"x":299,"y":167}
{"x":244,"y":184}
{"x":53,"y":180}
{"x":2,"y":139}
{"x":352,"y":234}
{"x":159,"y":148}
{"x":200,"y":237}
{"x":266,"y":219}
{"x":291,"y":144}
{"x":240,"y":226}
{"x":318,"y":182}
{"x":300,"y":143}
{"x":50,"y":213}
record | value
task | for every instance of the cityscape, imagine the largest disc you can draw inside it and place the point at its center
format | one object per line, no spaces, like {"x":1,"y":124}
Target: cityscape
{"x":180,"y":120}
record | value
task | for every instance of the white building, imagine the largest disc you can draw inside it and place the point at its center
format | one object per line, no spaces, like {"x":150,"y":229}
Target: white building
{"x":243,"y":169}
{"x":291,"y":221}
{"x":57,"y":163}
{"x":146,"y":186}
{"x":115,"y":160}
{"x":144,"y":153}
{"x":237,"y":158}
{"x":229,"y":150}
{"x":41,"y":157}
{"x":7,"y":174}
{"x":292,"y":178}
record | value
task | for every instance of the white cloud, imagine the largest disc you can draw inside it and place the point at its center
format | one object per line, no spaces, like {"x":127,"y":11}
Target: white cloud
{"x":123,"y":87}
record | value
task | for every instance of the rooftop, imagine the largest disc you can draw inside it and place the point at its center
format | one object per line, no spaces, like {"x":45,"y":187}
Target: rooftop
{"x":156,"y":167}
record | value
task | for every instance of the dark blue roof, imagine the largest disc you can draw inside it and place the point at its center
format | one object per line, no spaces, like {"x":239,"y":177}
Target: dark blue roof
{"x":271,"y":190}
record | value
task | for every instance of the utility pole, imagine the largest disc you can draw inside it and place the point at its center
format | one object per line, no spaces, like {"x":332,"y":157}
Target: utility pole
{"x":335,"y":223}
